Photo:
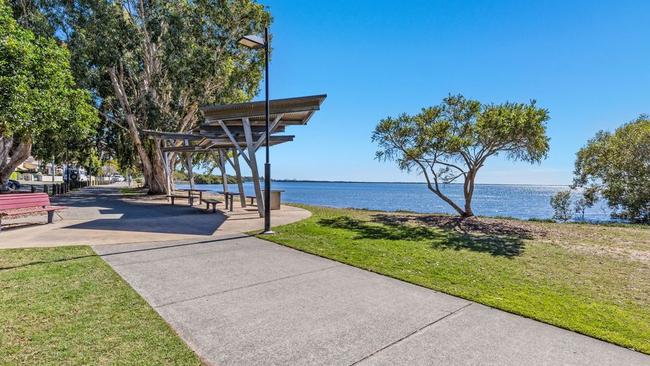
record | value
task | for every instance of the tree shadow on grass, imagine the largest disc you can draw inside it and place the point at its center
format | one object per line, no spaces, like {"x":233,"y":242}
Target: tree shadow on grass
{"x":450,"y":233}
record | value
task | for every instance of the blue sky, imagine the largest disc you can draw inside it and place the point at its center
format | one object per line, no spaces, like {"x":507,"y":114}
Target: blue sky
{"x":588,"y":62}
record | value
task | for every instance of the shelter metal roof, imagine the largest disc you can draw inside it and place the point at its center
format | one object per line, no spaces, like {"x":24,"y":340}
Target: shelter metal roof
{"x":222,"y":143}
{"x":295,"y":111}
{"x":212,"y":136}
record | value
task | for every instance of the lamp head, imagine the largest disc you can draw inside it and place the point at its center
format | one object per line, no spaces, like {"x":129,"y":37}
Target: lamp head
{"x":252,"y":41}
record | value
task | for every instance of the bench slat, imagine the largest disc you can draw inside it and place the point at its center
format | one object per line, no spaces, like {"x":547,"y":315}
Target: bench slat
{"x":24,"y":204}
{"x":23,"y":200}
{"x":26,"y":211}
{"x":211,"y":200}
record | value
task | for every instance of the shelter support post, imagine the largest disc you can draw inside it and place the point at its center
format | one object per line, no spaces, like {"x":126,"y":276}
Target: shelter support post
{"x":166,"y":170}
{"x":222,"y":168}
{"x":272,"y":128}
{"x":188,"y":166}
{"x":240,"y":181}
{"x":250,"y":144}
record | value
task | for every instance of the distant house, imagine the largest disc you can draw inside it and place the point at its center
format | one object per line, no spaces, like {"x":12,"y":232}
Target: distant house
{"x":29,"y":166}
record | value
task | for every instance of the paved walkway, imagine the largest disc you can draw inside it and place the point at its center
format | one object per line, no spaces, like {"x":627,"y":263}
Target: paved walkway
{"x":100,"y":215}
{"x":238,"y":300}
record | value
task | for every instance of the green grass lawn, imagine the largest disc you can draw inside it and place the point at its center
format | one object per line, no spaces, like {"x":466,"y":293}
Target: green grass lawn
{"x":66,"y":306}
{"x":132,"y":191}
{"x":593,"y":279}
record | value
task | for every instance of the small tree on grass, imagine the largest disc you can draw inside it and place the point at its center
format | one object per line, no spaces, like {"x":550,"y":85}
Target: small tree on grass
{"x":453,"y":141}
{"x":561,"y":203}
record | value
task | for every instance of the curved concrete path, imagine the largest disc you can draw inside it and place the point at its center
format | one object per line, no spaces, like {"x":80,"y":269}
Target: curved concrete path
{"x":100,"y":215}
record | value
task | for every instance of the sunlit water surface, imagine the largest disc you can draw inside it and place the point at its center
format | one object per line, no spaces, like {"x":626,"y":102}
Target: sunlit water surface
{"x":519,"y":201}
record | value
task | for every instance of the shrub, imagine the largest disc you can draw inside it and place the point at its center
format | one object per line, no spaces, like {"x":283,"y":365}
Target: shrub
{"x":616,"y":167}
{"x":561,"y":203}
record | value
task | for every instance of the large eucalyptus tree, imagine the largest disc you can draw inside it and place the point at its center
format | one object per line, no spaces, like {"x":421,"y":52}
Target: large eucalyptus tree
{"x":150,"y":64}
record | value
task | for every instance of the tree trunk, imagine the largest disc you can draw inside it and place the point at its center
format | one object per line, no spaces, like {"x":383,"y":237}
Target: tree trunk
{"x":12,"y":155}
{"x":448,"y":201}
{"x":468,"y":191}
{"x":435,"y":188}
{"x":157,"y":176}
{"x":151,"y":161}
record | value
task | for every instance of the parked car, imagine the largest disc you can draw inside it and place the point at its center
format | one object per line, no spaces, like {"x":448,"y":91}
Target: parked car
{"x":13,"y":184}
{"x":117,"y":178}
{"x":76,"y":175}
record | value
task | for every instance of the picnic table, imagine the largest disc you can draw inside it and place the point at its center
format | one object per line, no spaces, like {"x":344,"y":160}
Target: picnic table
{"x":191,"y":193}
{"x":228,"y":197}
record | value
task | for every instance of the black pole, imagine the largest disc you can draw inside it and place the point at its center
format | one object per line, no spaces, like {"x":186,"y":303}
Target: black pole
{"x":267,"y":165}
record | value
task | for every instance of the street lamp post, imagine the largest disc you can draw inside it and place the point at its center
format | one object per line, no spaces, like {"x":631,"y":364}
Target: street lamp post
{"x":255,"y":42}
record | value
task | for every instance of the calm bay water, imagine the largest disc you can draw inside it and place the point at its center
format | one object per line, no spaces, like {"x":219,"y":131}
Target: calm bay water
{"x":520,"y":201}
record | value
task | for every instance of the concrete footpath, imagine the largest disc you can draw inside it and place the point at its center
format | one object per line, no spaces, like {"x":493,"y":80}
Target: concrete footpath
{"x":101,"y":215}
{"x":238,"y":300}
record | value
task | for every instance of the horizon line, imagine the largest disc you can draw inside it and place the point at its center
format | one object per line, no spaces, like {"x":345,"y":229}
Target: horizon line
{"x":403,"y":182}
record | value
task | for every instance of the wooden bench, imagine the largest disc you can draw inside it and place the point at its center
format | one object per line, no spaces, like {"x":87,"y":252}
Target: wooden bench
{"x":253,"y":198}
{"x":210,"y":201}
{"x":26,"y":204}
{"x":174,"y":196}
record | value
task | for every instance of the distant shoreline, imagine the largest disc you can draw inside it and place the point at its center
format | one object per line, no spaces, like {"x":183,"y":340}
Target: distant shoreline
{"x":368,"y":182}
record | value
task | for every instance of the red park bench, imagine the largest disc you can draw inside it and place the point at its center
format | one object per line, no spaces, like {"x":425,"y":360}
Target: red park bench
{"x":26,"y":204}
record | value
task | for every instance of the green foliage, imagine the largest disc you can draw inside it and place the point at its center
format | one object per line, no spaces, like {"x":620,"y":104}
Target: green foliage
{"x":91,"y":162}
{"x":616,"y":167}
{"x":179,"y":175}
{"x":151,"y":64}
{"x":212,"y":179}
{"x":39,"y":100}
{"x":454,"y":139}
{"x":561,"y":204}
{"x":580,"y":205}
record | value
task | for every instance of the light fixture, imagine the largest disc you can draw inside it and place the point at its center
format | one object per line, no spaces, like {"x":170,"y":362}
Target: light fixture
{"x":252,"y":41}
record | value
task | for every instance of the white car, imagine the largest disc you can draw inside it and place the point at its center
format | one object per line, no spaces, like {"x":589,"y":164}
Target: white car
{"x":117,"y":178}
{"x":75,"y":175}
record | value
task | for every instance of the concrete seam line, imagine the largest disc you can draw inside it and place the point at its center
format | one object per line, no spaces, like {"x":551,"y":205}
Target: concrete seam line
{"x":153,"y":247}
{"x":207,"y":251}
{"x":413,"y":333}
{"x":247,"y":286}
